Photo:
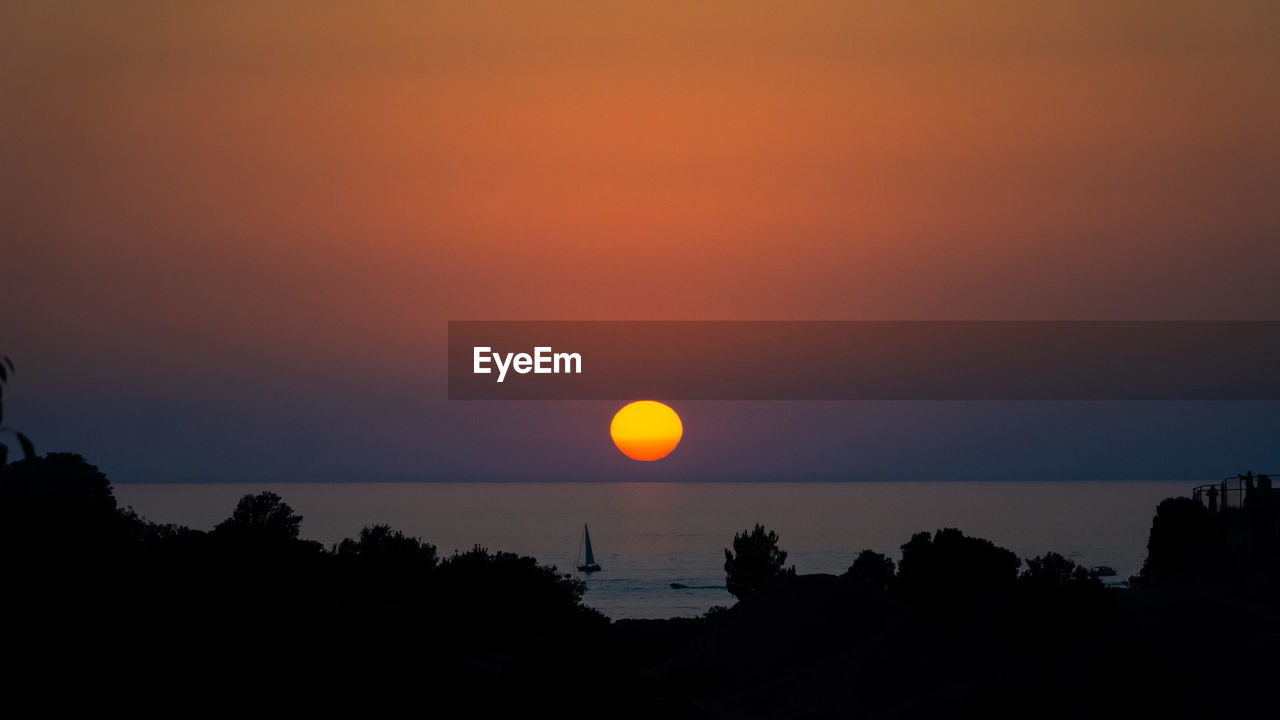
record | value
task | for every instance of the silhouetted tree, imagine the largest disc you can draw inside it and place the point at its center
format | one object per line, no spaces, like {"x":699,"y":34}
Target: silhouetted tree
{"x":950,"y":565}
{"x":58,"y":500}
{"x":382,"y":545}
{"x":263,"y":518}
{"x":500,"y":592}
{"x":60,"y":531}
{"x":58,"y":482}
{"x":754,"y":562}
{"x":1052,"y":572}
{"x":871,"y":569}
{"x":387,"y":556}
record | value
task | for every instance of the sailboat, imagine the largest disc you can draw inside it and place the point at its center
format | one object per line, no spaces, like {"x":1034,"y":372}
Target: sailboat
{"x":590,"y":565}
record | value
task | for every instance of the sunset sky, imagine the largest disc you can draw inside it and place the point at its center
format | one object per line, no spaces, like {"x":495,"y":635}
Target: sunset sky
{"x":232,"y":233}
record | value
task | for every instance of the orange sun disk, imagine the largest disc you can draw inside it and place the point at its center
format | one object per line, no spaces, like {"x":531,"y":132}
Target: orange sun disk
{"x":646,"y":430}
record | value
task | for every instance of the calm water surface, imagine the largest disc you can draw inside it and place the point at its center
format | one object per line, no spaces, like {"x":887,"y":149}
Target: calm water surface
{"x":649,"y":535}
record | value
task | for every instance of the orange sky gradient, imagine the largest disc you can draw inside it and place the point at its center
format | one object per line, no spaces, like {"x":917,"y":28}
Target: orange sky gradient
{"x":294,"y":197}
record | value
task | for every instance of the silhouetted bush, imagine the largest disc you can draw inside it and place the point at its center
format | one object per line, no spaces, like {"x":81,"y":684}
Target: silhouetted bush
{"x":386,"y":557}
{"x":388,"y":549}
{"x":754,"y":562}
{"x":1052,"y":572}
{"x":871,"y":569}
{"x":950,"y":565}
{"x":260,"y":519}
{"x":503,"y":590}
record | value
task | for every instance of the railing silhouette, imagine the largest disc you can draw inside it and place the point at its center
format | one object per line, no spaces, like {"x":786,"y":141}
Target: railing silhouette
{"x":1232,"y":492}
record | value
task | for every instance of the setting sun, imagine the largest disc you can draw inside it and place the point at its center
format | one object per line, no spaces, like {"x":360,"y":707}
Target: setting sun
{"x":646,"y":430}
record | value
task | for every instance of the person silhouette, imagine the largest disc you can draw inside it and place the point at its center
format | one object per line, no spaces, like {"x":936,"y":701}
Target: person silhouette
{"x":1213,"y":499}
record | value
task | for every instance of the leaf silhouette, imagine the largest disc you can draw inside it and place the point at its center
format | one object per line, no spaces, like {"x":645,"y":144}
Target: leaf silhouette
{"x":9,"y":362}
{"x":3,"y":374}
{"x":28,"y":449}
{"x":4,"y":455}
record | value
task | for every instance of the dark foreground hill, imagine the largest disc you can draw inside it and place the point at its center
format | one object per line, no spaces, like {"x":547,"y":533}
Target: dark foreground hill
{"x":103,"y":609}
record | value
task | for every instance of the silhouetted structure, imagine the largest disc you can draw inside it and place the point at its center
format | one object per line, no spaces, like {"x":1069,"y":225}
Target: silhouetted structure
{"x":1238,"y":491}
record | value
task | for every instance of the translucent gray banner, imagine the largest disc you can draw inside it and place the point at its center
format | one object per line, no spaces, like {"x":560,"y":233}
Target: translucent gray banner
{"x":864,"y":360}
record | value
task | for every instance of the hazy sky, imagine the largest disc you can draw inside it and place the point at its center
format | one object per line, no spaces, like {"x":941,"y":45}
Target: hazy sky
{"x":231,"y":233}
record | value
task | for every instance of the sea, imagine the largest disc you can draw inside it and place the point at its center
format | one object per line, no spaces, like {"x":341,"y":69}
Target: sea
{"x":648,"y":537}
